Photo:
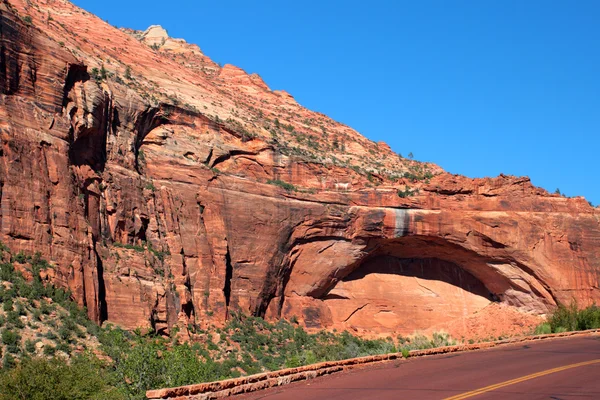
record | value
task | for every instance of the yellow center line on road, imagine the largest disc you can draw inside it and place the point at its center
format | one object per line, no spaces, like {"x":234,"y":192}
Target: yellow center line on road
{"x":518,"y":380}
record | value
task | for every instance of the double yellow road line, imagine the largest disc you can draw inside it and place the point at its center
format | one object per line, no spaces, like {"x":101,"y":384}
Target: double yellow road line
{"x":518,"y":380}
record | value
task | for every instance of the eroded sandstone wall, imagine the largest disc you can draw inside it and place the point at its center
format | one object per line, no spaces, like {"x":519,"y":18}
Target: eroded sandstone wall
{"x":156,"y":214}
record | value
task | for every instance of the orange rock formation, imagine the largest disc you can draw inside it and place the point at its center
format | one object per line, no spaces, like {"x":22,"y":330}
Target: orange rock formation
{"x":167,"y":190}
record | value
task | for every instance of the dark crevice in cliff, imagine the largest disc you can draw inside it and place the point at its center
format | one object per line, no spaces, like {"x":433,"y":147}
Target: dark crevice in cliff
{"x":355,"y":311}
{"x":1,"y":191}
{"x":188,"y":307}
{"x":145,"y":123}
{"x":228,"y":277}
{"x":88,"y":150}
{"x":75,"y":73}
{"x":488,"y":241}
{"x":331,"y":296}
{"x":153,"y":319}
{"x":153,"y":117}
{"x":9,"y":56}
{"x":278,"y":275}
{"x":33,"y":73}
{"x":102,"y":308}
{"x":116,"y":121}
{"x":281,"y":290}
{"x":87,"y":144}
{"x":208,"y":158}
{"x":2,"y":177}
{"x":139,"y":233}
{"x":448,"y":192}
{"x":232,"y":153}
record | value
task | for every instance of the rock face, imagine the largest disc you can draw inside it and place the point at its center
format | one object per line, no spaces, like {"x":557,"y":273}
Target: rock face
{"x":168,"y":190}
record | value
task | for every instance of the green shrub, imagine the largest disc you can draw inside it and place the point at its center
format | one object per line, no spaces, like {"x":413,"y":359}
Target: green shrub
{"x":571,"y":318}
{"x":12,"y":317}
{"x":565,"y":317}
{"x":8,"y":305}
{"x":3,"y":249}
{"x":7,"y":271}
{"x":45,"y":307}
{"x":139,"y":249}
{"x":10,"y":337}
{"x":41,"y":379}
{"x":287,"y":186}
{"x":407,"y":192}
{"x":30,"y":346}
{"x":21,"y":310}
{"x":441,"y":339}
{"x":49,"y":350}
{"x":20,"y":258}
{"x":51,"y":335}
{"x":7,"y":362}
{"x":64,"y":347}
{"x":588,"y":318}
{"x":64,"y":333}
{"x":543,"y":329}
{"x":292,"y":362}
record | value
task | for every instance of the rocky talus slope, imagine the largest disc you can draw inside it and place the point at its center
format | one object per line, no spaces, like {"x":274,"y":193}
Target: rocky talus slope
{"x":168,"y":190}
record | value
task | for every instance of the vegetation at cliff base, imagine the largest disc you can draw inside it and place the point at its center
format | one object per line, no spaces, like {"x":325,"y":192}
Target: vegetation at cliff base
{"x":570,"y":318}
{"x":83,"y":378}
{"x":51,"y":350}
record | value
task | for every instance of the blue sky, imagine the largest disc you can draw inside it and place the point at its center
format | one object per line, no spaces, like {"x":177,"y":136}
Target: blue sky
{"x":479,"y":87}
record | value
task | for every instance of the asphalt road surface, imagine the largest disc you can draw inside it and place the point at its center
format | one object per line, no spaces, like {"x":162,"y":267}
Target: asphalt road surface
{"x":557,"y":369}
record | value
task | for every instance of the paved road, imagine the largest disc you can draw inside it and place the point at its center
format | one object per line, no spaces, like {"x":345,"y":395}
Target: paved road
{"x":558,"y":369}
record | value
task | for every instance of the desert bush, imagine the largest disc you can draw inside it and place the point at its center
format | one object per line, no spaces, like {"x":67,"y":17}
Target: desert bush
{"x":564,"y":316}
{"x":420,"y":342}
{"x":10,"y":337}
{"x":571,"y":318}
{"x":588,"y":318}
{"x":8,"y":361}
{"x":49,"y":350}
{"x":40,"y":379}
{"x":7,"y":271}
{"x":287,"y":186}
{"x":543,"y":329}
{"x":8,"y":304}
{"x":30,"y":346}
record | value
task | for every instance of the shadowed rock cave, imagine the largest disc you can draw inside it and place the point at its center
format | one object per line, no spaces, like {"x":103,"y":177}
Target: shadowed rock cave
{"x":405,"y":294}
{"x":415,"y":283}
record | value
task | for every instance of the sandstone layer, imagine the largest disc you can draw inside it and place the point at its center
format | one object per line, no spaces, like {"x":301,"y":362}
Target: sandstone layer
{"x":167,"y":190}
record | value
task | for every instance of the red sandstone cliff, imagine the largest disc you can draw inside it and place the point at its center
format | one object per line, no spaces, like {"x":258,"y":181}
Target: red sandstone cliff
{"x":152,"y":179}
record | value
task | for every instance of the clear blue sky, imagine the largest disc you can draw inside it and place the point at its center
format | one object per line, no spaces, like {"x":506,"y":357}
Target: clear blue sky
{"x":479,"y":87}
